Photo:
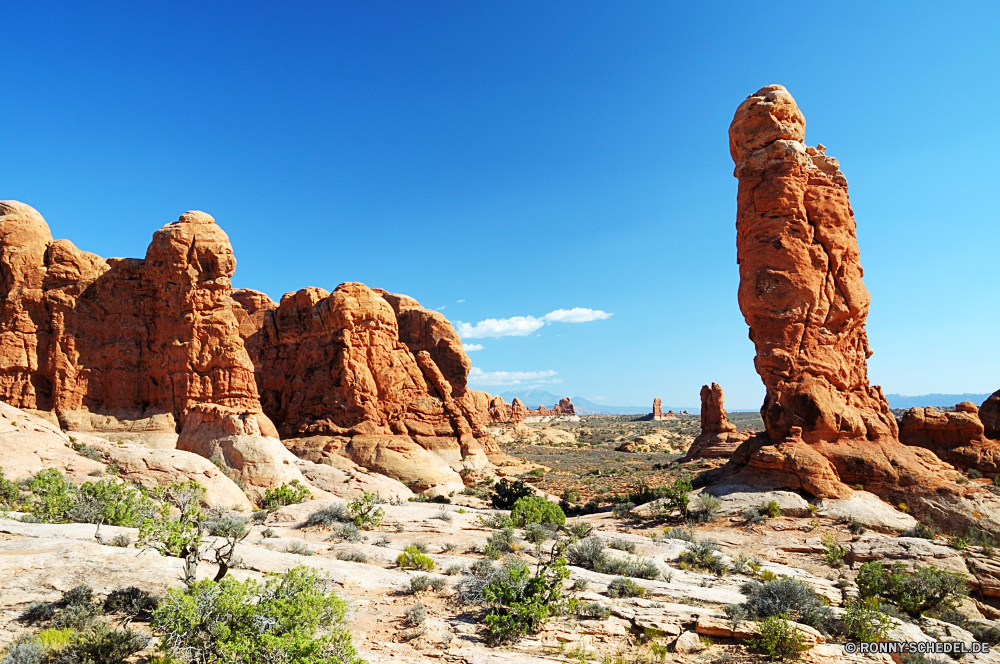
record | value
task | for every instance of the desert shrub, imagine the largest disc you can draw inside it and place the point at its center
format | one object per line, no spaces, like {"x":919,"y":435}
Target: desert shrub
{"x":622,"y":545}
{"x":499,"y":543}
{"x":51,"y":496}
{"x":741,"y":564}
{"x":753,"y":517}
{"x":444,"y":515}
{"x":454,"y":570}
{"x":289,"y":493}
{"x":294,"y":618}
{"x":537,"y":533}
{"x":411,"y":558}
{"x":771,"y":509}
{"x":422,"y":583}
{"x":622,"y":510}
{"x":422,"y":547}
{"x":39,"y":612}
{"x":82,"y":594}
{"x":382,"y":541}
{"x":328,"y":516}
{"x":835,"y":553}
{"x":924,"y":589}
{"x":920,"y":530}
{"x":180,"y":536}
{"x":496,"y":521}
{"x":703,"y":555}
{"x":737,"y":613}
{"x":506,"y":493}
{"x":26,"y":649}
{"x":9,"y":493}
{"x":777,"y":638}
{"x":570,"y":495}
{"x":787,"y":597}
{"x":132,"y":602}
{"x":974,"y":474}
{"x":113,"y":503}
{"x":416,"y":615}
{"x":76,"y":616}
{"x":982,"y":539}
{"x":104,"y":644}
{"x":348,"y":532}
{"x":55,"y":639}
{"x":708,"y":508}
{"x":865,"y":621}
{"x":580,"y":585}
{"x":299,"y":548}
{"x":855,"y":527}
{"x":520,"y":602}
{"x":534,"y":509}
{"x":366,"y":511}
{"x":587,"y":553}
{"x":622,"y":587}
{"x":593,"y":610}
{"x":580,"y":530}
{"x":686,"y":534}
{"x":673,"y":498}
{"x":122,"y":540}
{"x":268,"y":533}
{"x":352,"y":555}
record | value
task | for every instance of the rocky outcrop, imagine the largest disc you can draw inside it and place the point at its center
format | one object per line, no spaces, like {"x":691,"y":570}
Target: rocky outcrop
{"x":718,"y":438}
{"x":499,"y":411}
{"x":517,"y":411}
{"x":957,"y":437}
{"x":801,"y":293}
{"x":657,"y":409}
{"x":989,"y":415}
{"x":374,"y":370}
{"x":564,"y":407}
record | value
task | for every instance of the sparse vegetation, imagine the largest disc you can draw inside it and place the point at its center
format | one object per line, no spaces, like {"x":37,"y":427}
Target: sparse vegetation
{"x":507,"y":493}
{"x":366,"y":511}
{"x":703,"y":555}
{"x":289,"y":493}
{"x":622,"y":587}
{"x":534,"y":509}
{"x":865,"y":621}
{"x":786,"y":597}
{"x":411,"y":558}
{"x":835,"y":553}
{"x":777,"y":638}
{"x":923,"y":589}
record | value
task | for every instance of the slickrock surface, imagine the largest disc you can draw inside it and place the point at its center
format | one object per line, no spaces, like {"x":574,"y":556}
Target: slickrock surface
{"x":802,"y":295}
{"x":381,"y":378}
{"x":957,"y":437}
{"x":718,"y":438}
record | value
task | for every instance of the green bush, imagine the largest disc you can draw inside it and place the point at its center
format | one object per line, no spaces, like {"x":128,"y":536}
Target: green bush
{"x":920,"y":530}
{"x":534,"y":509}
{"x":293,"y":619}
{"x":506,"y":493}
{"x":770,"y":509}
{"x":411,"y":558}
{"x":82,"y":594}
{"x":703,"y":555}
{"x":622,"y":510}
{"x":865,"y":621}
{"x":622,"y":587}
{"x":708,"y":508}
{"x":365,"y":511}
{"x":777,"y":638}
{"x":593,"y":611}
{"x":924,"y":589}
{"x":291,"y":493}
{"x":103,"y":644}
{"x":622,"y":545}
{"x":51,"y":496}
{"x":499,"y":543}
{"x":9,"y":493}
{"x":520,"y":602}
{"x":422,"y":583}
{"x":328,"y":516}
{"x":570,"y":495}
{"x":786,"y":596}
{"x":132,"y":602}
{"x":835,"y":553}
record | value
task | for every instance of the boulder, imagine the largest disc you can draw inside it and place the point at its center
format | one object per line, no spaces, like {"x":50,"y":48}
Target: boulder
{"x":869,"y":510}
{"x":989,"y":415}
{"x":688,"y":643}
{"x":957,"y":437}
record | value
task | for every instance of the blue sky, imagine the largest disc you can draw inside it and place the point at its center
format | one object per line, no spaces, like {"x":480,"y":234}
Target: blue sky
{"x":504,"y":160}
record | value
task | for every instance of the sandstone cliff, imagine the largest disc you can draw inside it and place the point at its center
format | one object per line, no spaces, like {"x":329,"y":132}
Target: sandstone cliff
{"x":718,"y":438}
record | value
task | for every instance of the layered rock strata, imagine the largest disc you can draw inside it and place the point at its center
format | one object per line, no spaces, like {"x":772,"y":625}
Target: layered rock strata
{"x":380,"y":379}
{"x":801,"y":293}
{"x":957,"y":437}
{"x":718,"y":438}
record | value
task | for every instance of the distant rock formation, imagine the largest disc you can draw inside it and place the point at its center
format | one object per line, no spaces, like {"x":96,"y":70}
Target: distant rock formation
{"x":989,"y":414}
{"x":718,"y":438}
{"x":801,"y":293}
{"x":498,"y":412}
{"x":956,"y":437}
{"x":657,"y":409}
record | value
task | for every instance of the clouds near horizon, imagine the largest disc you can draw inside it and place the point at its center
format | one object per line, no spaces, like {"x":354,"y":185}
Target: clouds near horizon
{"x":479,"y":377}
{"x":521,"y":326}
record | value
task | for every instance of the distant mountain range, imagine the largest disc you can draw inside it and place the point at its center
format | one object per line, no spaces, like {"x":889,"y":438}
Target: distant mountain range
{"x":534,"y":398}
{"x":936,"y":400}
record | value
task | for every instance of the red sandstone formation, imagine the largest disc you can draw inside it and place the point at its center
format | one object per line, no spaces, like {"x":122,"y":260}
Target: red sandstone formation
{"x":718,"y":438}
{"x":127,"y":338}
{"x":383,"y":379}
{"x":564,"y":407}
{"x":989,"y":414}
{"x":499,"y":411}
{"x":517,"y":411}
{"x":802,"y":295}
{"x":956,"y":437}
{"x":657,"y":409}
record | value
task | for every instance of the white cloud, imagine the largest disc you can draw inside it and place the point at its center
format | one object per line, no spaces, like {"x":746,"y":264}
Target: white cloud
{"x":461,"y":300}
{"x":575,"y":315}
{"x":479,"y":377}
{"x":521,"y":326}
{"x":518,"y":326}
{"x":471,"y":347}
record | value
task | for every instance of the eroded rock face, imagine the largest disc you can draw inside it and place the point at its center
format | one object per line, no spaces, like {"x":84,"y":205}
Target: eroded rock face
{"x":718,"y":438}
{"x":517,"y":411}
{"x":657,"y":409}
{"x":802,"y":295}
{"x":104,"y":343}
{"x":374,"y":369}
{"x":957,"y":437}
{"x":989,"y":414}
